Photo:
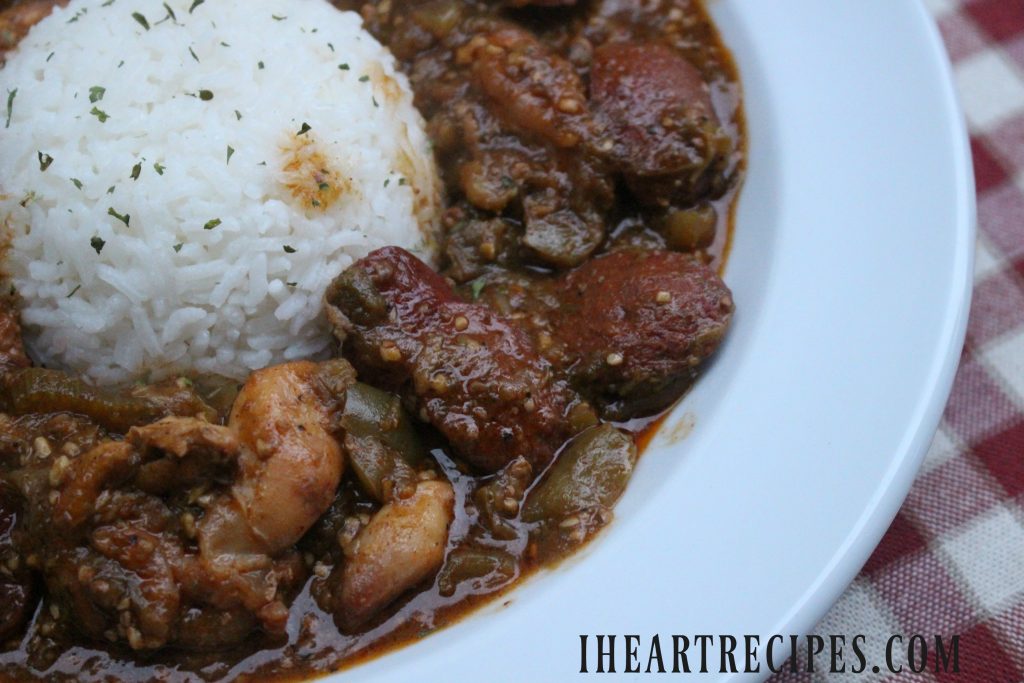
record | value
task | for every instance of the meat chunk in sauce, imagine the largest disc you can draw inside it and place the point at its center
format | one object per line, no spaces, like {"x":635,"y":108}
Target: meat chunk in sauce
{"x":636,"y":326}
{"x":461,"y":367}
{"x":660,"y":126}
{"x":630,"y":329}
{"x":532,"y":89}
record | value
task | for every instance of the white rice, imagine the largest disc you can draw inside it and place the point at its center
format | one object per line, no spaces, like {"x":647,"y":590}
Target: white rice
{"x":172,"y":289}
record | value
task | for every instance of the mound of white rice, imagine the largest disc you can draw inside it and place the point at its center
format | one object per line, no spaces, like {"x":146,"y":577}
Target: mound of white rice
{"x":180,"y":181}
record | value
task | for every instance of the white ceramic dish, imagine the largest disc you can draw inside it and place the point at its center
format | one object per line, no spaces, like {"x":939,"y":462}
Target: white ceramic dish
{"x":851,"y":270}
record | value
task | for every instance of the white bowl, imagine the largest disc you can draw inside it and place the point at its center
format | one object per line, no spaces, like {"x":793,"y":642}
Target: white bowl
{"x":851,"y":271}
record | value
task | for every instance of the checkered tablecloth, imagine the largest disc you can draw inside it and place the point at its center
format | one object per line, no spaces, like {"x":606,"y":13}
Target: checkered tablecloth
{"x":953,"y":560}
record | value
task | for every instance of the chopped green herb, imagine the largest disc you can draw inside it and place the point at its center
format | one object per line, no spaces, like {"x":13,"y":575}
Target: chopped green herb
{"x":126,"y":219}
{"x":205,"y":95}
{"x":324,"y":187}
{"x":100,"y":114}
{"x":11,"y":94}
{"x":211,"y":224}
{"x":238,"y":115}
{"x":401,"y":181}
{"x":305,"y":129}
{"x":159,"y":168}
{"x":387,"y":181}
{"x":50,"y":56}
{"x":77,"y":183}
{"x":289,"y":249}
{"x":344,"y":67}
{"x":170,"y":12}
{"x":363,"y":79}
{"x":260,"y":64}
{"x":193,"y":53}
{"x":177,"y":247}
{"x":74,"y":291}
{"x":374,"y":101}
{"x":137,"y":16}
{"x":331,"y":45}
{"x":315,"y":203}
{"x":277,"y":18}
{"x":120,"y":64}
{"x":110,"y":190}
{"x":477,"y":286}
{"x":108,"y":3}
{"x":223,"y":44}
{"x":231,"y":152}
{"x":44,"y":161}
{"x":136,"y":170}
{"x":292,"y":284}
{"x":96,"y":93}
{"x":97,"y":243}
{"x":195,"y":4}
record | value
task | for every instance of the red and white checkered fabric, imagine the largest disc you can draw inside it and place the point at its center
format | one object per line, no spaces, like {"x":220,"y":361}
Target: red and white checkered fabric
{"x":953,"y":560}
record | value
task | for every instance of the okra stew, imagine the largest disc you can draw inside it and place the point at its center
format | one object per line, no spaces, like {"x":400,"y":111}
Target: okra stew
{"x":475,"y":423}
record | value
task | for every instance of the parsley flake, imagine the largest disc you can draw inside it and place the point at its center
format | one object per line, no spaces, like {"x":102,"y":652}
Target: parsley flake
{"x":44,"y":161}
{"x":205,"y":95}
{"x":126,"y":219}
{"x":97,"y":243}
{"x":477,"y":286}
{"x":74,"y":291}
{"x":260,"y":64}
{"x":11,"y":94}
{"x":363,"y":79}
{"x":277,"y":18}
{"x":177,"y":247}
{"x":289,"y":249}
{"x":77,"y":183}
{"x":211,"y":224}
{"x":344,"y":67}
{"x":100,"y":114}
{"x":305,"y":129}
{"x":231,"y":152}
{"x":159,"y":168}
{"x":136,"y":170}
{"x":195,"y":4}
{"x":193,"y":53}
{"x":96,"y":93}
{"x":137,"y":16}
{"x":238,"y":115}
